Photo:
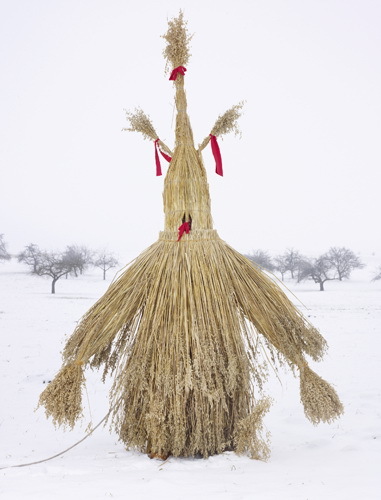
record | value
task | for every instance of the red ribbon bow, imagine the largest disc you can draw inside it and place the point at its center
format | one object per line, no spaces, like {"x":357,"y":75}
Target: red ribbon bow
{"x":180,"y":70}
{"x":157,"y":158}
{"x":217,"y":154}
{"x":184,"y":228}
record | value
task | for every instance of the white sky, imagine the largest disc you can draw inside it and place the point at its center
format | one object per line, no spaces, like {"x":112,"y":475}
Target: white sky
{"x":306,"y":172}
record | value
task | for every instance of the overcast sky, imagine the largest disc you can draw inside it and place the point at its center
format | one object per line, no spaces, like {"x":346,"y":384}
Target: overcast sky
{"x":304,"y":174}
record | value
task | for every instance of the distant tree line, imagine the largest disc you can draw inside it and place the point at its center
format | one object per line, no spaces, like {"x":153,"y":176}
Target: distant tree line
{"x":74,"y":260}
{"x":335,"y":264}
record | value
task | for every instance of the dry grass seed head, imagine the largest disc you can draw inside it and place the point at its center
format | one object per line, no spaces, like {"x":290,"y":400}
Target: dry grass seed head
{"x":140,"y":122}
{"x":249,"y":433}
{"x":320,"y":400}
{"x":227,"y":122}
{"x":62,"y":398}
{"x":177,"y":37}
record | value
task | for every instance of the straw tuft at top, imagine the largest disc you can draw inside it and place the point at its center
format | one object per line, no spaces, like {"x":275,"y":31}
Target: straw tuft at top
{"x":177,"y":37}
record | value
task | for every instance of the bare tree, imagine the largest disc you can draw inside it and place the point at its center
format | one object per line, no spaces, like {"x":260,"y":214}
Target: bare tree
{"x":105,"y":261}
{"x":80,"y":257}
{"x":30,"y":256}
{"x":281,"y":264}
{"x":289,"y":261}
{"x":4,"y":255}
{"x":42,"y":263}
{"x":262,"y":258}
{"x":293,"y":259}
{"x":54,"y":265}
{"x":343,"y":260}
{"x":319,"y":270}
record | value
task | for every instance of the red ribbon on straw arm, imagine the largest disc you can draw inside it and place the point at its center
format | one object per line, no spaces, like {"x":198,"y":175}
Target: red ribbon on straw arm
{"x":157,"y":158}
{"x":217,"y":154}
{"x":180,"y":70}
{"x":184,"y":228}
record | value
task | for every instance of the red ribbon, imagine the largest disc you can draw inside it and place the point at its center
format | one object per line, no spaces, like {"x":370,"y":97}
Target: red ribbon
{"x":180,"y":70}
{"x":184,"y":228}
{"x":167,"y":157}
{"x":217,"y":154}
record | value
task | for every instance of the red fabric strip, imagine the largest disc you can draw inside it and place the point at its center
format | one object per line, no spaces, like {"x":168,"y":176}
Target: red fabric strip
{"x":217,"y":154}
{"x":180,"y":70}
{"x":184,"y":228}
{"x":157,"y":159}
{"x":164,"y":155}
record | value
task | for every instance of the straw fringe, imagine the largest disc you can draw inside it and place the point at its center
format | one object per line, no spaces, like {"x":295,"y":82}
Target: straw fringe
{"x":186,"y":383}
{"x":174,"y":327}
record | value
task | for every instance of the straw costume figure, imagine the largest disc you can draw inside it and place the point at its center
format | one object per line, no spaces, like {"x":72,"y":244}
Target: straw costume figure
{"x":184,"y":328}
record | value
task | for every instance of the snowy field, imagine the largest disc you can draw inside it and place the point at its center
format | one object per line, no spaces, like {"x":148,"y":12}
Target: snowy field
{"x":340,"y":461}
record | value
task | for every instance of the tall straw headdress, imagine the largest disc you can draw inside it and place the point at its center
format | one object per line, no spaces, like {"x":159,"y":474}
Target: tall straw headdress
{"x":182,"y":329}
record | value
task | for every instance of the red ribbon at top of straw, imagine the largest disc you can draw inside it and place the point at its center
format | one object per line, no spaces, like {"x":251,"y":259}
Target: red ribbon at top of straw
{"x":180,"y":70}
{"x":217,"y":154}
{"x":157,"y":158}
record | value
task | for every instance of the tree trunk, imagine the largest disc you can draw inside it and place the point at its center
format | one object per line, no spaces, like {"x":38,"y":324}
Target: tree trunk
{"x":321,"y":283}
{"x":54,"y":285}
{"x":104,"y":274}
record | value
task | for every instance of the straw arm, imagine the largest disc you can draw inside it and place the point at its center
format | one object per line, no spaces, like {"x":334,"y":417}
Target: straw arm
{"x":165,"y":148}
{"x":204,"y":143}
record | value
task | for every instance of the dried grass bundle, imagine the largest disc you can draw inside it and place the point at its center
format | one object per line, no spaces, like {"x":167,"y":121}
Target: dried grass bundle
{"x":140,"y":122}
{"x":177,"y":37}
{"x":62,"y":398}
{"x":320,"y":400}
{"x":227,"y":122}
{"x":184,"y":327}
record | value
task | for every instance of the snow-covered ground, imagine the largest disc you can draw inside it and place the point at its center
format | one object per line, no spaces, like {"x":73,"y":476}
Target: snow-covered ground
{"x":340,"y":461}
